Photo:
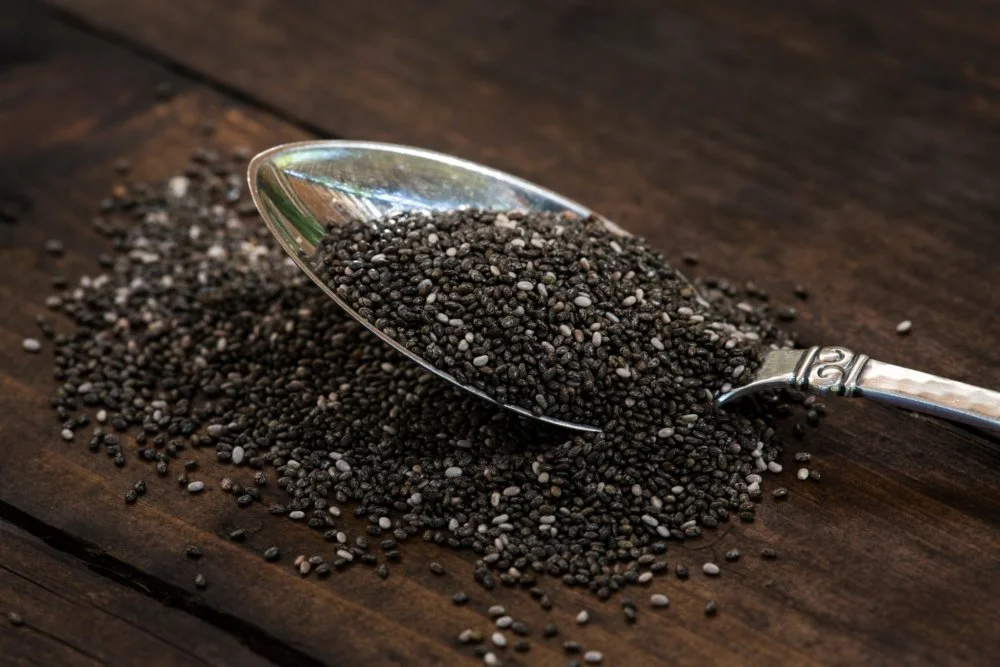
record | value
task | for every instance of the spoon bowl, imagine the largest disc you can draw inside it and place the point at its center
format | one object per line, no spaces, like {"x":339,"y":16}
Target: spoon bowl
{"x":301,"y":188}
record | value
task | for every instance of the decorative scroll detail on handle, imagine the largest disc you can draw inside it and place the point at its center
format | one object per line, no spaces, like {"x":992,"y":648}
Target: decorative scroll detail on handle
{"x":830,"y":370}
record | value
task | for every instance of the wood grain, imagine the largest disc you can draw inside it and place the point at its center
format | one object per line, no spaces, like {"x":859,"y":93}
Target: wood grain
{"x":73,"y":616}
{"x":851,"y":149}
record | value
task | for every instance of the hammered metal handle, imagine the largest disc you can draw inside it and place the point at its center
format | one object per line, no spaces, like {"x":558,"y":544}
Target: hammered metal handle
{"x":840,"y":371}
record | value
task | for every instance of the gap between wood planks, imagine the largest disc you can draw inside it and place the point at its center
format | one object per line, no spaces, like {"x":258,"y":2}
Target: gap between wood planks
{"x":254,"y":637}
{"x":152,"y":55}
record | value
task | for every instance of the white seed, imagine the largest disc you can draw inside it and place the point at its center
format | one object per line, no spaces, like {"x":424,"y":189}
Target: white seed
{"x":711,"y":569}
{"x":665,"y":432}
{"x":491,"y":660}
{"x":379,"y":258}
{"x":583,"y":301}
{"x":659,"y":600}
{"x":296,"y":515}
{"x":66,"y":434}
{"x":803,"y":473}
{"x":453,"y":472}
{"x":385,"y":523}
{"x":344,"y":553}
{"x":525,"y":285}
{"x":623,"y":373}
{"x":31,"y":345}
{"x":238,"y":454}
{"x":496,"y":611}
{"x":582,"y":617}
{"x":481,"y":360}
{"x":657,"y":343}
{"x":593,"y":657}
{"x":102,"y":416}
{"x":504,"y":621}
{"x":196,"y":487}
{"x":774,"y":466}
{"x":645,"y":577}
{"x":499,"y":640}
{"x":904,"y":327}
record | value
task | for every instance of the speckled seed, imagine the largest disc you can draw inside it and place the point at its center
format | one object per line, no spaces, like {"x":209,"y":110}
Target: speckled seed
{"x":803,"y":473}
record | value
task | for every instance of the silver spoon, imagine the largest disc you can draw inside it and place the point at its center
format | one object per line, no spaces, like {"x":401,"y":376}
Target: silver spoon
{"x":299,"y":188}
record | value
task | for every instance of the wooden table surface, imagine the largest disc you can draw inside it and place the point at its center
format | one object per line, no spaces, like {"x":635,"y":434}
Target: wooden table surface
{"x":853,"y":147}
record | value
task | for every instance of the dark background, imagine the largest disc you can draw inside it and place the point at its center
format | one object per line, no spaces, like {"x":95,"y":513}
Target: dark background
{"x":852,"y":147}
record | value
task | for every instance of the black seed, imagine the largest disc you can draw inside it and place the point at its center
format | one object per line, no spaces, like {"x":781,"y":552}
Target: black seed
{"x":460,"y":598}
{"x":193,"y":552}
{"x":271,"y":554}
{"x":712,"y":608}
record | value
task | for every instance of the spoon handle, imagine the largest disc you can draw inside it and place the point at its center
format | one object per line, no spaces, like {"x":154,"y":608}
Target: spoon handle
{"x":838,"y":370}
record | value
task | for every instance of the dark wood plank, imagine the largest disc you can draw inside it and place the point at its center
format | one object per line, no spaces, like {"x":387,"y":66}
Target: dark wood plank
{"x":853,"y":150}
{"x":73,"y":616}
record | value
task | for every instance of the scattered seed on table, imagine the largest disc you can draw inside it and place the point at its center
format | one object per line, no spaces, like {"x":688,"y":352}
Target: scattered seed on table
{"x":681,"y":572}
{"x":15,"y":619}
{"x":803,"y":473}
{"x":780,"y":493}
{"x":193,"y":552}
{"x":131,"y":497}
{"x":499,"y":640}
{"x":466,"y":636}
{"x":801,"y":292}
{"x":711,"y":569}
{"x":733,"y":555}
{"x":520,"y":628}
{"x":436,"y":568}
{"x":31,"y":345}
{"x":496,"y":611}
{"x":814,"y":475}
{"x":238,"y":535}
{"x":583,"y":617}
{"x":491,"y":660}
{"x":55,"y":247}
{"x":571,"y":646}
{"x":199,"y":581}
{"x":271,"y":554}
{"x":769,"y":554}
{"x":460,"y":598}
{"x":904,"y":327}
{"x":659,"y":600}
{"x":504,"y":622}
{"x":196,"y":487}
{"x":593,"y":657}
{"x":712,"y":608}
{"x":522,"y":646}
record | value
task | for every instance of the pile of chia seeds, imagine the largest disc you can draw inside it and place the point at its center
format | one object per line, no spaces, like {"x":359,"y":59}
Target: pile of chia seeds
{"x":198,"y":333}
{"x":551,"y":313}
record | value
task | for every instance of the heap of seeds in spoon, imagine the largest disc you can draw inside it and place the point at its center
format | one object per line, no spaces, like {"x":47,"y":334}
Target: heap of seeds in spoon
{"x":200,"y":333}
{"x":551,"y":313}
